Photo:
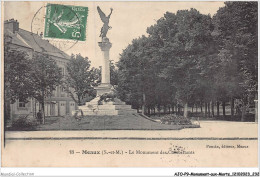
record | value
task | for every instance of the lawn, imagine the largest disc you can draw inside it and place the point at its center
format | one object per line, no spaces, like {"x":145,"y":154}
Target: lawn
{"x":122,"y":122}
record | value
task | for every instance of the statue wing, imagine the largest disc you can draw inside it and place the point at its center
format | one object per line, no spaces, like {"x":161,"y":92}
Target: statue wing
{"x":102,"y":15}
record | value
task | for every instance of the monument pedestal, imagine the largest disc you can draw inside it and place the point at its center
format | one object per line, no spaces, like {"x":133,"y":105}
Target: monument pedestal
{"x":115,"y":107}
{"x":103,"y":88}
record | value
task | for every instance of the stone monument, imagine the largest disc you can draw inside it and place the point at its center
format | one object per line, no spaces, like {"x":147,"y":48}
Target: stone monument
{"x":105,"y":85}
{"x":109,"y":105}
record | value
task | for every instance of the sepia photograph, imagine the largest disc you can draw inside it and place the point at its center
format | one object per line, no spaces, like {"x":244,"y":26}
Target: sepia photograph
{"x":129,"y":84}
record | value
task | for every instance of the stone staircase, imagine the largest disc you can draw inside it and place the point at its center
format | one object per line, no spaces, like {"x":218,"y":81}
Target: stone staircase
{"x":116,"y":107}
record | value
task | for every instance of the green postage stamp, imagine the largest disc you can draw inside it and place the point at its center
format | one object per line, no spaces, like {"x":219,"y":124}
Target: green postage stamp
{"x":65,"y":22}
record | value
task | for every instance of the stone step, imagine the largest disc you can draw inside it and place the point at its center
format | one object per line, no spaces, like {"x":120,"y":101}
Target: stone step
{"x":101,"y":112}
{"x":88,"y":107}
{"x":114,"y":103}
{"x":109,"y":112}
{"x":105,"y":103}
{"x":109,"y":107}
{"x":115,"y":107}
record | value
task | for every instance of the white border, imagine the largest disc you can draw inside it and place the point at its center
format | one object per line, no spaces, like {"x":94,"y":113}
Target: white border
{"x":124,"y":171}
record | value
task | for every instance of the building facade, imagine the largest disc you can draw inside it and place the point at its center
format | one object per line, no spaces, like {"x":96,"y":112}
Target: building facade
{"x":60,"y":103}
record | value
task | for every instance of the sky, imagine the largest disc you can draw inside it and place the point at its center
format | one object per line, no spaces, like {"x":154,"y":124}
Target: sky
{"x":129,"y":20}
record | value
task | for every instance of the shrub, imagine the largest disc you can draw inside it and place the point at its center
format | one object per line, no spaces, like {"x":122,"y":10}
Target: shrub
{"x":175,"y":120}
{"x":22,"y":123}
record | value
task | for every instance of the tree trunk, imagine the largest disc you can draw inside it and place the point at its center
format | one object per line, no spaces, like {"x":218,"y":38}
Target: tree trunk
{"x":185,"y":111}
{"x":164,"y":109}
{"x":206,"y":112}
{"x":192,"y":108}
{"x":212,"y":109}
{"x":143,"y":106}
{"x":232,"y":107}
{"x":201,"y":108}
{"x":196,"y":108}
{"x":217,"y":108}
{"x":169,"y":109}
{"x":35,"y":113}
{"x":224,"y":108}
{"x":43,"y":113}
{"x":79,"y":102}
{"x":209,"y":115}
{"x":243,"y":112}
{"x":172,"y":108}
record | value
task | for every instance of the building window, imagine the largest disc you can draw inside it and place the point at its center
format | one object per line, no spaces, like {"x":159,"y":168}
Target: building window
{"x":53,"y":93}
{"x":21,"y":104}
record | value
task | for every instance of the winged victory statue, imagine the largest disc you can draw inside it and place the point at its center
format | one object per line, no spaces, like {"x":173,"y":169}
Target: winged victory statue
{"x":105,"y":20}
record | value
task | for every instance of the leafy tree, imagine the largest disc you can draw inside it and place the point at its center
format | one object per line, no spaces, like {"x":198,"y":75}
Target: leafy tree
{"x":113,"y":74}
{"x":136,"y":74}
{"x":45,"y":77}
{"x":186,"y":39}
{"x":236,"y":35}
{"x":81,"y":79}
{"x":165,"y":65}
{"x":188,"y":59}
{"x":17,"y":83}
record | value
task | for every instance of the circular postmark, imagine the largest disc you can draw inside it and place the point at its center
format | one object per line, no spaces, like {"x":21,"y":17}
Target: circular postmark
{"x":62,"y":26}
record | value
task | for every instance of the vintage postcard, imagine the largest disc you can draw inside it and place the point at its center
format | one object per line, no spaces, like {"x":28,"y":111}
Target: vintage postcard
{"x":130,"y":84}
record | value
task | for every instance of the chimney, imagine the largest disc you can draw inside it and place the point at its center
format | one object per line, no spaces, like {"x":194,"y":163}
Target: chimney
{"x":12,"y":25}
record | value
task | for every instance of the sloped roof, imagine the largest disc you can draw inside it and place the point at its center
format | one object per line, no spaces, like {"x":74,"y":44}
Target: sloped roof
{"x":40,"y":45}
{"x":15,"y":39}
{"x":34,"y":41}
